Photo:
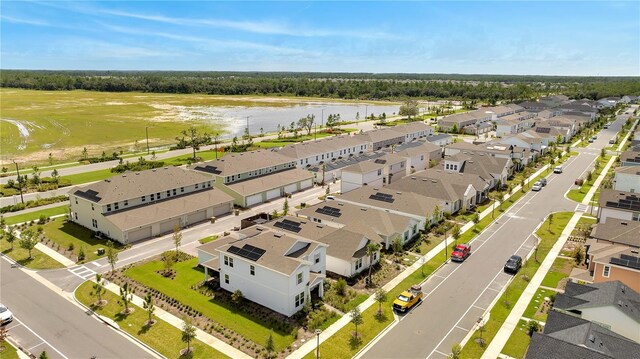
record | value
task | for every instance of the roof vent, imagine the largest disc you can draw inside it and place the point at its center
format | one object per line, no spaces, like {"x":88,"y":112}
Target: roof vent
{"x":363,"y":209}
{"x":107,"y":180}
{"x":592,"y":338}
{"x":624,"y":223}
{"x":319,"y":225}
{"x":434,"y":181}
{"x":620,"y":303}
{"x":413,"y":178}
{"x":375,"y":188}
{"x":340,"y":204}
{"x":153,"y":170}
{"x":137,"y":173}
{"x":398,"y":192}
{"x":259,"y":228}
{"x":124,"y":175}
{"x":623,"y":288}
{"x":277,"y":234}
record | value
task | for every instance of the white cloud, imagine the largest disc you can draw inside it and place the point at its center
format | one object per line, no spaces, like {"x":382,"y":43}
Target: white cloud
{"x":16,"y":20}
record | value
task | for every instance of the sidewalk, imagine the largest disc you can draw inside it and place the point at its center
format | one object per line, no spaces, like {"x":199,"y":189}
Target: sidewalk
{"x":201,"y":335}
{"x":55,"y":255}
{"x":310,"y":346}
{"x":35,"y":209}
{"x":511,"y":323}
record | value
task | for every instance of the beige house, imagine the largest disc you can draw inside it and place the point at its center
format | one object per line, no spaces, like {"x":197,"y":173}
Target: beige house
{"x":255,"y":177}
{"x":138,"y":205}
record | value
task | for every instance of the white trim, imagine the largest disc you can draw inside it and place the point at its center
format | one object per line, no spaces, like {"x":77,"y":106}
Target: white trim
{"x":606,"y":269}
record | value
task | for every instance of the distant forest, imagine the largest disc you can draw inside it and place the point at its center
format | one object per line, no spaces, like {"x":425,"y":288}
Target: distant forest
{"x":363,"y":86}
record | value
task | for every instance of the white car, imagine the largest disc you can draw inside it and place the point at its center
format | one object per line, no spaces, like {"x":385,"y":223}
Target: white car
{"x":536,"y":186}
{"x":5,"y":315}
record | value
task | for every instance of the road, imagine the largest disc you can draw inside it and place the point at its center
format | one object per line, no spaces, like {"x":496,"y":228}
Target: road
{"x":458,"y":294}
{"x":47,"y":321}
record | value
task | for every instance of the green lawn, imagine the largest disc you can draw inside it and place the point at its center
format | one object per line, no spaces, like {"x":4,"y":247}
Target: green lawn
{"x":499,"y":313}
{"x":292,"y":140}
{"x":39,"y":260}
{"x":162,"y":336}
{"x":180,"y":288}
{"x":579,"y":194}
{"x":65,"y":233}
{"x":535,"y":303}
{"x":92,"y":176}
{"x":33,"y":216}
{"x":518,"y":342}
{"x":560,"y":269}
{"x":208,"y":239}
{"x":9,"y":351}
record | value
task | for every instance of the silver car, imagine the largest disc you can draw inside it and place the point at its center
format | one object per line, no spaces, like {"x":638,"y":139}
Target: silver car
{"x":5,"y":315}
{"x":536,"y":186}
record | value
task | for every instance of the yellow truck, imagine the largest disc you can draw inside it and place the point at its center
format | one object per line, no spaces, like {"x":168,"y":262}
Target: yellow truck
{"x":408,"y":299}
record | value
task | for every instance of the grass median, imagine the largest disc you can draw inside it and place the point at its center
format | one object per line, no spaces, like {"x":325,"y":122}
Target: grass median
{"x":161,"y":336}
{"x":34,"y":216}
{"x":38,"y":259}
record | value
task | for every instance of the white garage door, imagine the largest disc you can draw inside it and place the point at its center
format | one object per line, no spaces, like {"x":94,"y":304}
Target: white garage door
{"x":291,"y":188}
{"x":139,"y":234}
{"x":307,"y":183}
{"x":221,"y":209}
{"x":167,"y":226}
{"x":274,"y":193}
{"x":255,"y":199}
{"x":197,"y":217}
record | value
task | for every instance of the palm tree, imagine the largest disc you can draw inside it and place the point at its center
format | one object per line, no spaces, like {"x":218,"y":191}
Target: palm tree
{"x":372,"y":249}
{"x":149,"y":307}
{"x":126,"y":296}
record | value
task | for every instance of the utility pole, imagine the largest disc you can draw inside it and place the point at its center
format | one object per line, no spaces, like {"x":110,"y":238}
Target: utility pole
{"x":366,"y":108}
{"x":322,"y":118}
{"x":315,"y":132}
{"x":147,"y":131}
{"x":19,"y":181}
{"x":248,"y":133}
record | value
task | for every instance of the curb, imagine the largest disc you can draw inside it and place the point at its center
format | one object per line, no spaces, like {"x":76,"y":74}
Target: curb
{"x":110,"y":322}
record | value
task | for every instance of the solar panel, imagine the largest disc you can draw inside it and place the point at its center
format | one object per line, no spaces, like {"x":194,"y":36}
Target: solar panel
{"x":329,"y":211}
{"x":384,"y":197}
{"x":247,"y":251}
{"x":288,"y":225}
{"x":209,"y":169}
{"x":630,"y":258}
{"x":380,"y":161}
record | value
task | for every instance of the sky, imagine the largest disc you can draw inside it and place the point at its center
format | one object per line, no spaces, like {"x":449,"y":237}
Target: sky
{"x":506,"y":37}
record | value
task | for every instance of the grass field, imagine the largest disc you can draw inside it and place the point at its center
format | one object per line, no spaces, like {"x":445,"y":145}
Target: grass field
{"x":162,"y":336}
{"x":64,"y":122}
{"x":38,"y":259}
{"x":32,"y":216}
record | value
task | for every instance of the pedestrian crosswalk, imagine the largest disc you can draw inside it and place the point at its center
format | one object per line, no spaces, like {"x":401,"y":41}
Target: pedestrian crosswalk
{"x":83,"y":272}
{"x":582,"y":208}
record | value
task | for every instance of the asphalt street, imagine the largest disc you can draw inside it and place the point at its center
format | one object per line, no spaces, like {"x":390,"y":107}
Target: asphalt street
{"x":45,"y":320}
{"x":457,"y":295}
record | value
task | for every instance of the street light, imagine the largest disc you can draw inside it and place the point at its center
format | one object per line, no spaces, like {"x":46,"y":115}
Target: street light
{"x":19,"y":181}
{"x":318,"y":331}
{"x":248,"y":126}
{"x":322,"y":118}
{"x":146,"y":129}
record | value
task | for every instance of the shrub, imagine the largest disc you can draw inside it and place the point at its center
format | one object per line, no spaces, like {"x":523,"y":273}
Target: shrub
{"x":341,"y":287}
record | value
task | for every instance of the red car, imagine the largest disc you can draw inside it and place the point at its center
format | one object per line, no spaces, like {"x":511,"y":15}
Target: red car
{"x":461,"y":252}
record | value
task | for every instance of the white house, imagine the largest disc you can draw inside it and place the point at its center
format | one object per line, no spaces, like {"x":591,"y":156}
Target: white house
{"x":418,"y":157}
{"x":610,"y":304}
{"x":270,"y":268}
{"x":627,"y":179}
{"x":367,"y":173}
{"x":138,"y":205}
{"x":310,"y":153}
{"x":618,"y":204}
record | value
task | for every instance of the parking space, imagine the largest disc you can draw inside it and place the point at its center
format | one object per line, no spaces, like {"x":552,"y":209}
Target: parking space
{"x":24,"y":338}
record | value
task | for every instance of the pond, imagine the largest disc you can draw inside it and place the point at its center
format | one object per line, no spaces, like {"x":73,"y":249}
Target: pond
{"x":235,"y":119}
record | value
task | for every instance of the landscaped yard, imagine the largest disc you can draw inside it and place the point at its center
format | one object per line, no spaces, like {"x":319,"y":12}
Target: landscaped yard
{"x":64,"y":235}
{"x":39,"y":260}
{"x":34,"y":216}
{"x":579,"y":194}
{"x":208,"y":239}
{"x":161,"y":336}
{"x":180,"y":288}
{"x":8,"y":351}
{"x":534,"y":309}
{"x":560,"y":269}
{"x":518,"y":342}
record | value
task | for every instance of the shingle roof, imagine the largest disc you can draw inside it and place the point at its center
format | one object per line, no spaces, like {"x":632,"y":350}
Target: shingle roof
{"x":459,"y":180}
{"x":173,"y":207}
{"x":328,"y":144}
{"x":618,"y":231}
{"x":427,"y":187}
{"x":439,"y":137}
{"x":380,"y":135}
{"x":466,"y":116}
{"x":614,"y":293}
{"x":237,"y":163}
{"x":265,"y":183}
{"x":417,"y":148}
{"x":630,"y":156}
{"x":136,"y":184}
{"x":404,"y":202}
{"x":364,"y":167}
{"x":612,"y":199}
{"x":547,"y":347}
{"x":412,"y":127}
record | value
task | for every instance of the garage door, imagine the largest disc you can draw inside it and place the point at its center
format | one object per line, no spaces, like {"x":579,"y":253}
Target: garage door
{"x":255,"y":199}
{"x":307,"y":183}
{"x":197,"y":217}
{"x":167,"y":226}
{"x":221,"y":209}
{"x":291,"y":188}
{"x":274,"y":193}
{"x":139,"y":234}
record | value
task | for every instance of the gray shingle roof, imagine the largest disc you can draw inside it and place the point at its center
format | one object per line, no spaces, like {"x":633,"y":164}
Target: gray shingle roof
{"x":614,"y":293}
{"x":237,"y":163}
{"x":618,"y":231}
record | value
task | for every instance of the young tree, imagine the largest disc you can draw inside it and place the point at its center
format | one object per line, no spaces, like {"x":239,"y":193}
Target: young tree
{"x":356,"y":319}
{"x":481,"y":330}
{"x":456,"y":350}
{"x":476,"y":220}
{"x":10,"y":236}
{"x":98,"y":289}
{"x":55,"y":176}
{"x":126,"y":297}
{"x":168,"y":260}
{"x":112,"y":256}
{"x":50,"y":159}
{"x":270,"y":346}
{"x":85,"y":153}
{"x":177,"y":238}
{"x":437,"y":213}
{"x":28,"y":241}
{"x":43,"y":355}
{"x":455,"y":233}
{"x":285,"y":207}
{"x":149,"y":307}
{"x":188,"y":333}
{"x":372,"y":249}
{"x":550,"y":221}
{"x":196,"y":139}
{"x":237,"y":297}
{"x":380,"y":297}
{"x":396,"y":246}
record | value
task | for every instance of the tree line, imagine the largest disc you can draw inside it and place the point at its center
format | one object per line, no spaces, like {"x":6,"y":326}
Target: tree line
{"x":363,"y":86}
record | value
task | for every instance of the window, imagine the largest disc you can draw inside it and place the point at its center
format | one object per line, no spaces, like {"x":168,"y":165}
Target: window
{"x":76,"y":200}
{"x":168,"y":193}
{"x":401,"y":164}
{"x":153,"y":196}
{"x":252,"y":269}
{"x":380,"y":172}
{"x":144,"y":198}
{"x":94,"y":223}
{"x":158,"y":195}
{"x":197,"y":184}
{"x":108,"y":207}
{"x":299,"y":279}
{"x":359,"y":264}
{"x":226,"y":278}
{"x":92,"y":206}
{"x":317,"y":258}
{"x":181,"y":189}
{"x":605,"y":271}
{"x":116,"y":206}
{"x":299,"y":300}
{"x":636,"y":217}
{"x":126,"y":202}
{"x":209,"y":184}
{"x":174,"y":191}
{"x":228,"y":261}
{"x":421,"y":157}
{"x":375,"y":256}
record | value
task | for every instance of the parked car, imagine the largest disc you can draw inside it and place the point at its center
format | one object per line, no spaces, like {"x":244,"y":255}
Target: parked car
{"x":612,"y":141}
{"x":590,"y":140}
{"x":408,"y":299}
{"x":513,"y":265}
{"x":5,"y":315}
{"x":557,"y":169}
{"x":543,"y":181}
{"x":579,"y":181}
{"x":461,"y":252}
{"x":606,"y":125}
{"x":330,"y":197}
{"x":536,"y":186}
